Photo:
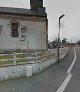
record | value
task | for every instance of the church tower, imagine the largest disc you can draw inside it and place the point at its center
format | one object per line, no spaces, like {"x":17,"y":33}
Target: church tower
{"x":35,"y":4}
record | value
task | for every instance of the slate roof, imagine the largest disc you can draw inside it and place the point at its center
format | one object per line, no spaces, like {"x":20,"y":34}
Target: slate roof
{"x":11,"y":10}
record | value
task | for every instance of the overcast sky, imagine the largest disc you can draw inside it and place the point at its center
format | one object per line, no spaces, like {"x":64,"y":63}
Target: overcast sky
{"x":70,"y":22}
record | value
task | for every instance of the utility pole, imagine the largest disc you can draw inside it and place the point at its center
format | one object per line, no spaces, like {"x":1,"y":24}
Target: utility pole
{"x":59,"y":35}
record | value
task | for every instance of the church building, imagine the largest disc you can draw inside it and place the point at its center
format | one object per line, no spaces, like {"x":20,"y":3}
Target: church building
{"x":24,"y":28}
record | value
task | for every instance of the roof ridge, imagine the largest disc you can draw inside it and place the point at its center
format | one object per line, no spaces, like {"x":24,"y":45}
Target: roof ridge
{"x":13,"y":10}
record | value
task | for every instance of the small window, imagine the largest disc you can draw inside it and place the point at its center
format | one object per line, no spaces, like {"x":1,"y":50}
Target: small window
{"x":23,"y":30}
{"x":23,"y":33}
{"x":0,"y":29}
{"x":14,"y":29}
{"x":23,"y":37}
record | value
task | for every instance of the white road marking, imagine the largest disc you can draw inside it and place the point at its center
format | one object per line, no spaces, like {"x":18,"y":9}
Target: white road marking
{"x":71,"y":66}
{"x":64,"y":84}
{"x":66,"y":81}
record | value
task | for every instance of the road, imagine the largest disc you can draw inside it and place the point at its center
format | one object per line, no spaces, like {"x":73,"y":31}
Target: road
{"x":51,"y":79}
{"x":74,"y":84}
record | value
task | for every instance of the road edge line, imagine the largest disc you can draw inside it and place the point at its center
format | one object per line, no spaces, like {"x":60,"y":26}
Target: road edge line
{"x":64,"y":84}
{"x":71,"y":66}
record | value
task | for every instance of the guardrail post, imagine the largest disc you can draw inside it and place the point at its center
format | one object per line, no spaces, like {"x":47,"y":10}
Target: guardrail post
{"x":14,"y":58}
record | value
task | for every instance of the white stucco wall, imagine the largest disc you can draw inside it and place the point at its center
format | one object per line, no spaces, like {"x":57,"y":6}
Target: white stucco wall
{"x":35,"y":35}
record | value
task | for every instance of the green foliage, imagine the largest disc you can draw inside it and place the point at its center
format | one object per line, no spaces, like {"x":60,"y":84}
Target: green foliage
{"x":6,"y":62}
{"x":6,"y":57}
{"x":19,"y":61}
{"x":20,"y":56}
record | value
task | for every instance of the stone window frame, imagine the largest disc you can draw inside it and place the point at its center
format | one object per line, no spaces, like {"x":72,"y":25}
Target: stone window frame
{"x":23,"y":33}
{"x":17,"y":35}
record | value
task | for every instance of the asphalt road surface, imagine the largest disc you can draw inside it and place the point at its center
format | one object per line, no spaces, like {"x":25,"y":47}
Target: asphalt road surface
{"x":50,"y":79}
{"x":74,"y":84}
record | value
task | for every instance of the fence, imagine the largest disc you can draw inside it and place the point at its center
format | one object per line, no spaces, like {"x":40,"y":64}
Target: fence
{"x":29,"y":57}
{"x":21,"y":58}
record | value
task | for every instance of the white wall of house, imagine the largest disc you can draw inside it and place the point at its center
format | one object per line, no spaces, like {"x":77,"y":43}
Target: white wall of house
{"x":35,"y":35}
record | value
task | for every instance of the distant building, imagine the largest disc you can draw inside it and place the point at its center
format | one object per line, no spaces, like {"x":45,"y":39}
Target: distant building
{"x":24,"y":28}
